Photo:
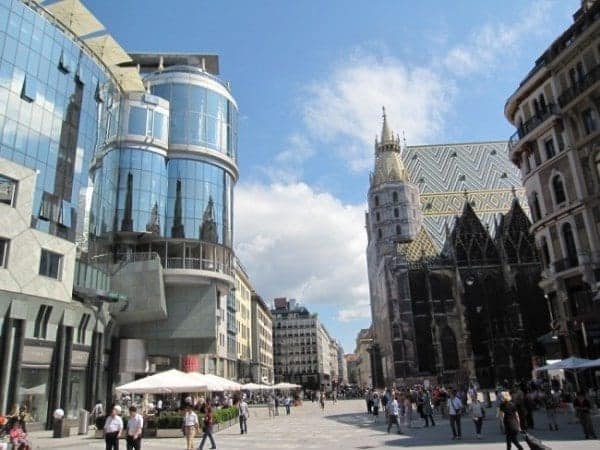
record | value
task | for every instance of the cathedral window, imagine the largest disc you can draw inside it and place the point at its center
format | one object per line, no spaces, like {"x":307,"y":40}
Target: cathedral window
{"x":559,"y":190}
{"x":377,"y":217}
{"x":396,"y":212}
{"x":597,"y":164}
{"x":395,"y":197}
{"x":376,"y":200}
{"x":545,"y":252}
{"x":379,"y":233}
{"x":398,"y":229}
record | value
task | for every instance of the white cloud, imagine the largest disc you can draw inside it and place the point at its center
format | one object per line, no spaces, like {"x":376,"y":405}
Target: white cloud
{"x":345,"y":108}
{"x":288,"y":165}
{"x":493,"y":43}
{"x":297,"y":242}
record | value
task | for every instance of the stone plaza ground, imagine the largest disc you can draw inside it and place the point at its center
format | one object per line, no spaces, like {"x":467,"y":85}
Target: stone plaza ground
{"x":345,"y":426}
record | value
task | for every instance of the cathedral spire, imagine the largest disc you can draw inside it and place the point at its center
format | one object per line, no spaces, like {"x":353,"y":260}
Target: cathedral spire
{"x":386,"y":134}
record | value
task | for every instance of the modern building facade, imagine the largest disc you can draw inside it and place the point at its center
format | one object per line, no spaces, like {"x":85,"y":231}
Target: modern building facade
{"x":453,"y":297}
{"x":303,"y":351}
{"x":56,"y":339}
{"x":116,"y":212}
{"x":556,"y":147}
{"x":262,"y":341}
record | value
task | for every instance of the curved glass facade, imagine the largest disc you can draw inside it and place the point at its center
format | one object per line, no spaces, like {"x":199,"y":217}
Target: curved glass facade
{"x":48,"y":113}
{"x":200,"y":116}
{"x":199,"y":203}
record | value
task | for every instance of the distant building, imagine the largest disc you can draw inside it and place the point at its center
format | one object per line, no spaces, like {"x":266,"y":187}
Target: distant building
{"x":453,"y":270}
{"x":363,"y":352}
{"x":342,"y":366}
{"x":304,"y":352}
{"x":557,"y":149}
{"x":243,"y":317}
{"x":352,"y":362}
{"x":262,"y":341}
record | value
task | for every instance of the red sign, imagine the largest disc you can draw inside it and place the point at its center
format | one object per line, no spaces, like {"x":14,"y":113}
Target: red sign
{"x":190,"y":363}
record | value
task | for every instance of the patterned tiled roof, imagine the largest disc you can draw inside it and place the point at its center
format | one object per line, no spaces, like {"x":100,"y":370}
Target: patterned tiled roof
{"x":447,"y":174}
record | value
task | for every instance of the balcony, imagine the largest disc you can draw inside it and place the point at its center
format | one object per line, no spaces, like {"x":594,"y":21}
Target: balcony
{"x":531,"y":124}
{"x":565,"y":264}
{"x":571,"y":93}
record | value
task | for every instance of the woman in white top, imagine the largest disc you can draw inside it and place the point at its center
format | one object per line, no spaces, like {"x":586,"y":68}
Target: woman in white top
{"x":477,"y":414}
{"x":190,"y":426}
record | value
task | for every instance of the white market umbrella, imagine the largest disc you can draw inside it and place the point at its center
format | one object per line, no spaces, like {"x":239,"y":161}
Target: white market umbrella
{"x":253,"y":387}
{"x":214,"y":383}
{"x":571,"y":363}
{"x":170,"y":381}
{"x":592,"y":363}
{"x":284,"y":385}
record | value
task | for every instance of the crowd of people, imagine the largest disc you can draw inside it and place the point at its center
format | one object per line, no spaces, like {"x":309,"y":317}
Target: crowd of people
{"x":514,"y":406}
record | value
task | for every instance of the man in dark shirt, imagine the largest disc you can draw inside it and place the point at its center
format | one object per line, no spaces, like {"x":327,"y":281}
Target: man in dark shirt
{"x":582,"y":410}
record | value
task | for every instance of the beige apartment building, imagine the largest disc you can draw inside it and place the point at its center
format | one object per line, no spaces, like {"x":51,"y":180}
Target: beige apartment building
{"x":556,"y":110}
{"x":261,"y":341}
{"x":243,"y":308}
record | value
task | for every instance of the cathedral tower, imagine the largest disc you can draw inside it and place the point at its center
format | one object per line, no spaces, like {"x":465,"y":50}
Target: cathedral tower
{"x":394,"y":207}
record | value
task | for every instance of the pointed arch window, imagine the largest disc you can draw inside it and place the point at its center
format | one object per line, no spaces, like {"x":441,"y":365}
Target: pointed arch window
{"x":396,"y":212}
{"x":597,"y":165}
{"x":398,"y":229}
{"x":395,"y":197}
{"x":376,"y":200}
{"x":535,"y":207}
{"x":379,"y":233}
{"x":449,"y":349}
{"x":569,"y":242}
{"x":558,"y":188}
{"x":545,"y":252}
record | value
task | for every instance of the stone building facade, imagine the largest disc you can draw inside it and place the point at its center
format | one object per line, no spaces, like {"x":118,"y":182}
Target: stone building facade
{"x":557,"y":149}
{"x":262,"y":341}
{"x":460,"y":303}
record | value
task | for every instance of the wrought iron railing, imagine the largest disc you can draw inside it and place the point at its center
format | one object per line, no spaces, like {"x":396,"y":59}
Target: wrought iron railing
{"x":573,"y":91}
{"x":531,"y":124}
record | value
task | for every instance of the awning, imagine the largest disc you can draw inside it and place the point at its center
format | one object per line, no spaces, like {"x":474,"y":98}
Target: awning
{"x":75,"y":16}
{"x":107,"y":49}
{"x":164,"y":382}
{"x":284,"y":386}
{"x":214,"y":383}
{"x":571,"y":363}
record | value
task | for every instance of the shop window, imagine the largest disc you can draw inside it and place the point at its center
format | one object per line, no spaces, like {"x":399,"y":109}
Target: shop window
{"x":8,"y":188}
{"x":3,"y":252}
{"x":40,"y":329}
{"x":51,"y":264}
{"x":559,"y":190}
{"x":82,"y":328}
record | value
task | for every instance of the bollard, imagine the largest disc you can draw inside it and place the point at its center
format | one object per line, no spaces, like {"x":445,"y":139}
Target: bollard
{"x":58,"y":425}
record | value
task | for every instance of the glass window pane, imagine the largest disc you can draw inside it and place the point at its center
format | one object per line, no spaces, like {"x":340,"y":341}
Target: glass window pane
{"x":7,"y":190}
{"x":137,"y":121}
{"x":159,"y":131}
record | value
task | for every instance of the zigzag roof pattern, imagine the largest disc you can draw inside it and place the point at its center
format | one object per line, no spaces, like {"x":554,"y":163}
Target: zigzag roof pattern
{"x":448,"y":173}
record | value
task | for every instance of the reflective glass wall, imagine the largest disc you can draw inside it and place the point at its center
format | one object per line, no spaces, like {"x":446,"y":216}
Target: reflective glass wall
{"x":199,"y":203}
{"x":48,"y":113}
{"x":200,"y":116}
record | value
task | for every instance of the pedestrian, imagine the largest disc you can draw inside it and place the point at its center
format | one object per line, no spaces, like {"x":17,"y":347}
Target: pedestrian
{"x":97,"y":411}
{"x":287,"y":402}
{"x":207,"y":428}
{"x":271,"y":406}
{"x":369,"y":400}
{"x":455,"y":407}
{"x":529,"y":403}
{"x":190,"y":426}
{"x":376,"y":405}
{"x":322,"y":400}
{"x":18,"y":436}
{"x":552,"y":402}
{"x":135,"y":426}
{"x":428,"y":409}
{"x":511,"y":421}
{"x":477,"y":414}
{"x":393,"y":413}
{"x":113,"y":426}
{"x":244,"y":413}
{"x":583,"y":409}
{"x":408,"y":410}
{"x":159,"y":407}
{"x":277,"y":405}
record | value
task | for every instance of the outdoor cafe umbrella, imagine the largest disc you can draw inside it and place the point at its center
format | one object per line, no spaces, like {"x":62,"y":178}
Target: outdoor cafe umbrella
{"x":214,"y":383}
{"x":254,"y":387}
{"x":590,"y":364}
{"x":571,"y":363}
{"x":170,"y":381}
{"x":284,"y":386}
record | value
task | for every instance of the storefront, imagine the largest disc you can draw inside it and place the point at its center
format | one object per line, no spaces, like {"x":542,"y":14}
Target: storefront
{"x":33,"y":382}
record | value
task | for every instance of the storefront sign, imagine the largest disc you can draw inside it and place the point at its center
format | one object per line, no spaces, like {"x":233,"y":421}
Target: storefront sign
{"x":37,"y":355}
{"x":190,"y":363}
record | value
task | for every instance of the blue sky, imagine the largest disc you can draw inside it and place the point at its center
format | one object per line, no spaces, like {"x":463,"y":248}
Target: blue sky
{"x":310,"y":78}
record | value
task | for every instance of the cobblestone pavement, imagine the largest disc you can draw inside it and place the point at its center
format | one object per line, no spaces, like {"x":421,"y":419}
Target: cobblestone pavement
{"x":345,"y":426}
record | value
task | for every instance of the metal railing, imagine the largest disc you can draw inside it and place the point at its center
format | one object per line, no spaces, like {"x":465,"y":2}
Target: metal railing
{"x":587,"y":80}
{"x":532,"y":123}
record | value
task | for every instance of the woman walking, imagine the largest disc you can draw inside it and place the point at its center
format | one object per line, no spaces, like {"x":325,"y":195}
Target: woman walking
{"x":427,"y":409}
{"x":190,"y":427}
{"x":477,"y":414}
{"x":511,"y":421}
{"x":207,"y":428}
{"x":376,"y":405}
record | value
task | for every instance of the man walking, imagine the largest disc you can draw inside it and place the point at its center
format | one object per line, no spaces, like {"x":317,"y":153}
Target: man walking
{"x":393,"y":413}
{"x":454,"y":411}
{"x":112,"y":429}
{"x":244,"y":413}
{"x":191,"y":426}
{"x":135,"y":425}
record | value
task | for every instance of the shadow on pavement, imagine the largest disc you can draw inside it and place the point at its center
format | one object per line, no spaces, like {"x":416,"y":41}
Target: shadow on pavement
{"x":440,"y":435}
